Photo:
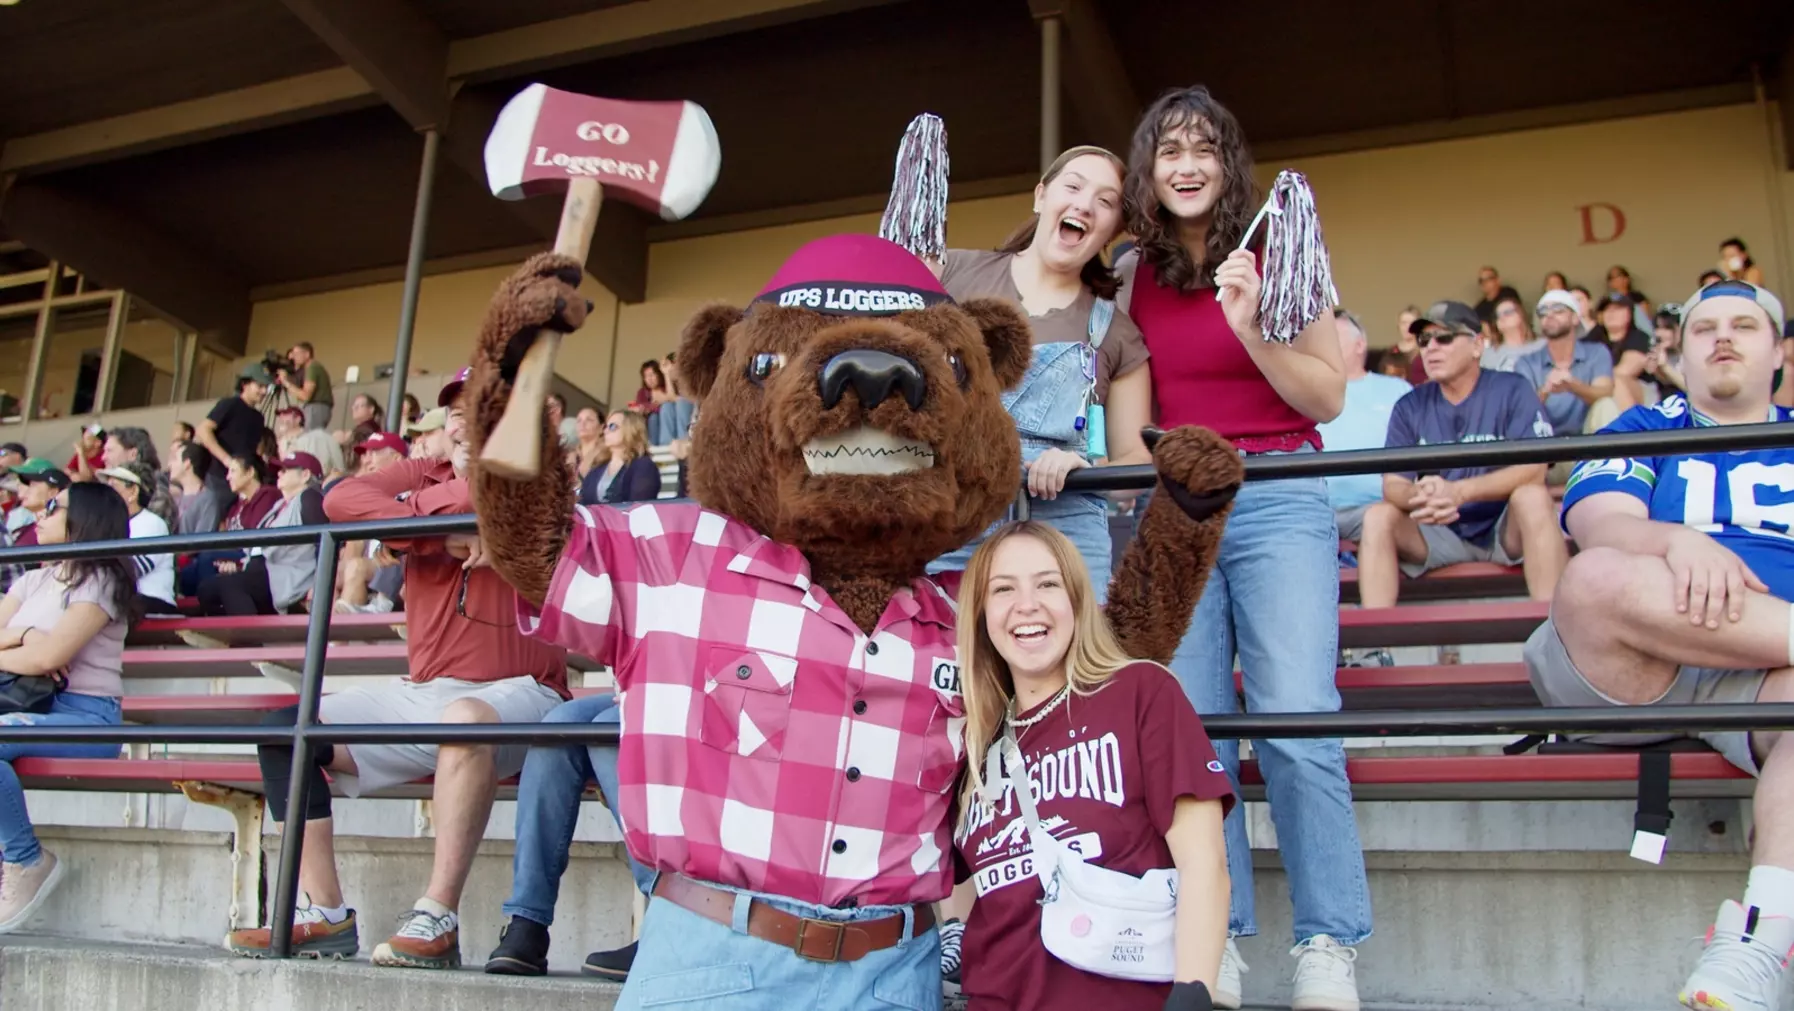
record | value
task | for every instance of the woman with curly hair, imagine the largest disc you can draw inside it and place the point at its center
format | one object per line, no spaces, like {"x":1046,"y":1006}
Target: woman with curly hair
{"x":1274,"y":596}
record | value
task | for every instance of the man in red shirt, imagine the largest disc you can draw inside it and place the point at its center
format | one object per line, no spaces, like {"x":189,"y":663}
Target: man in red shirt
{"x":469,"y":664}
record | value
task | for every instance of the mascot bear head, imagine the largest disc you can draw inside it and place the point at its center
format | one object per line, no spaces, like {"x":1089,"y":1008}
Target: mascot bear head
{"x":854,"y":411}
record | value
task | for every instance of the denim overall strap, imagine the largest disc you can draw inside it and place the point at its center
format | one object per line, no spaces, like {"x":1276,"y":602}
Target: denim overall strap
{"x":1049,"y":400}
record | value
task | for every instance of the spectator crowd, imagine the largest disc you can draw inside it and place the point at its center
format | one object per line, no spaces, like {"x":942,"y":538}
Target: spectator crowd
{"x":1663,"y":576}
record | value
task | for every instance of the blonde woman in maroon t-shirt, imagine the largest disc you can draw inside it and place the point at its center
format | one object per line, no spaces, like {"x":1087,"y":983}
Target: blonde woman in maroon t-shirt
{"x":1273,"y":599}
{"x":1121,"y":772}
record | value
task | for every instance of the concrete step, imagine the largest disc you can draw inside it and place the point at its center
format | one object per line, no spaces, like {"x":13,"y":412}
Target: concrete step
{"x":52,"y":975}
{"x":165,"y":886}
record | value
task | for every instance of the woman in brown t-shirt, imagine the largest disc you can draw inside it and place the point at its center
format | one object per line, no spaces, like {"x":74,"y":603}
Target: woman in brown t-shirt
{"x":1121,"y":771}
{"x":1053,"y":267}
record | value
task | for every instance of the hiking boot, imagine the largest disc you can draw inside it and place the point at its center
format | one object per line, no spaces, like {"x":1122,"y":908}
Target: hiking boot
{"x":522,"y":949}
{"x":314,"y":936}
{"x":24,"y":889}
{"x":613,"y":964}
{"x":1741,"y":966}
{"x":423,"y":941}
{"x":1325,"y":980}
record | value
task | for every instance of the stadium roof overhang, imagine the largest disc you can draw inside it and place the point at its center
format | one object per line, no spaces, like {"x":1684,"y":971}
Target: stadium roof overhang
{"x":203,"y":155}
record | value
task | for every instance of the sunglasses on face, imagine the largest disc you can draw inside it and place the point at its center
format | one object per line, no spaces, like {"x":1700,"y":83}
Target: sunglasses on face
{"x":1441,"y":339}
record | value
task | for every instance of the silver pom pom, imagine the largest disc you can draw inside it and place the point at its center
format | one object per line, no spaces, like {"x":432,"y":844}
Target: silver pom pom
{"x":1297,"y":274}
{"x":916,"y":216}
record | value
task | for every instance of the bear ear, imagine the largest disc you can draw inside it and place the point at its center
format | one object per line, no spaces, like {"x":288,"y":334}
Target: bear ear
{"x":1007,"y":337}
{"x":701,"y":346}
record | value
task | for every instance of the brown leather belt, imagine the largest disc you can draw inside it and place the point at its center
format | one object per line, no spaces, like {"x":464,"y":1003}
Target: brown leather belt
{"x":816,"y":940}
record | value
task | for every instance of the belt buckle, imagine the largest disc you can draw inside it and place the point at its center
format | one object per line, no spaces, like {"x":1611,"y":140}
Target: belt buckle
{"x":805,"y":924}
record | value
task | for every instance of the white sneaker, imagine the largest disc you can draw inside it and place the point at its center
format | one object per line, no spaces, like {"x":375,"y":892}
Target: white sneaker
{"x":1324,"y":977}
{"x":1741,"y":966}
{"x":1227,"y":983}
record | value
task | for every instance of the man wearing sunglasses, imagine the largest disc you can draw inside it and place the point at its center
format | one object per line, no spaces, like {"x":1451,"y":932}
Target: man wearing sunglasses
{"x":468,"y":663}
{"x":1462,"y":514}
{"x":1570,"y":375}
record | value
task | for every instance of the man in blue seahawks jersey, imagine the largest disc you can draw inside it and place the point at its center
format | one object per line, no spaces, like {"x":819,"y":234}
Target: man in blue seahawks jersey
{"x":1681,"y":595}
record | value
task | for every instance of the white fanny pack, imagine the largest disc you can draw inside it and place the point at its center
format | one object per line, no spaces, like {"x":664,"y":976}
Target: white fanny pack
{"x":1098,"y":920}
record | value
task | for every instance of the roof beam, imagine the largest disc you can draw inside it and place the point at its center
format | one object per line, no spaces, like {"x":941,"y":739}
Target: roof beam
{"x":289,"y":100}
{"x":632,"y":27}
{"x":120,"y":251}
{"x":392,"y":45}
{"x":618,"y":256}
{"x":1100,"y":91}
{"x":626,"y":28}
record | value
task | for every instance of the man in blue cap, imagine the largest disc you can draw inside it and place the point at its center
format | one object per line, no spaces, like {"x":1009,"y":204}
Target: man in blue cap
{"x":1681,"y":594}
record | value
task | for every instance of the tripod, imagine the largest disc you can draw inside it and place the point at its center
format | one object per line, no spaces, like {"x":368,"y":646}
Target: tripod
{"x":273,"y":402}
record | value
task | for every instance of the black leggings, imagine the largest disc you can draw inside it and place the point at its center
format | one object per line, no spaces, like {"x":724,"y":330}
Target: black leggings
{"x":239,"y":593}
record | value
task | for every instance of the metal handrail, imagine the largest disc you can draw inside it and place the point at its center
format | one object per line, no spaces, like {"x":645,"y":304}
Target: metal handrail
{"x":306,"y":732}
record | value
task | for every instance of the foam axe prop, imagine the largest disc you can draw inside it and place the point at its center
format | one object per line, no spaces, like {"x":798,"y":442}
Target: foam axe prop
{"x":660,"y":156}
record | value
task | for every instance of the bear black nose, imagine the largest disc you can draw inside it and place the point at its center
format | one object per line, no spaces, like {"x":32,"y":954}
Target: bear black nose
{"x":873,"y":375}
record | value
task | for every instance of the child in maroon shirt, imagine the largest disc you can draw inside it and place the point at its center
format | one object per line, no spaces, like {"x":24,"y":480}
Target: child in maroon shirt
{"x":1121,"y":770}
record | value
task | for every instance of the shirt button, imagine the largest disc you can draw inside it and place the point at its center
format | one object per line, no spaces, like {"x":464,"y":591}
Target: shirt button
{"x":859,"y":707}
{"x":744,"y":672}
{"x":872,"y":649}
{"x":853,"y":775}
{"x":840,"y":846}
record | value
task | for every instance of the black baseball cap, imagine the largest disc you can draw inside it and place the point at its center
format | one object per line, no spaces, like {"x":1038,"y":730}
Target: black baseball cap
{"x":13,"y":447}
{"x":1450,"y":315}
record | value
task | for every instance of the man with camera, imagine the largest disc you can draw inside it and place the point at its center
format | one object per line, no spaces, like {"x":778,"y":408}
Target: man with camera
{"x":307,"y":383}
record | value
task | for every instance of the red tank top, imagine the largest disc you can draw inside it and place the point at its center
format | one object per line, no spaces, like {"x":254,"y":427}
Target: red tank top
{"x":1202,"y":375}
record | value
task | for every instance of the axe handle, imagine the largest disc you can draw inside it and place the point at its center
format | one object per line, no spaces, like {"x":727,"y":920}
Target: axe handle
{"x":514,"y":449}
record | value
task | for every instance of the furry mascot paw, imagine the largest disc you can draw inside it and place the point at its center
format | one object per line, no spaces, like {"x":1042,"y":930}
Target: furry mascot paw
{"x":523,"y":524}
{"x":1201,"y":471}
{"x":1153,"y":595}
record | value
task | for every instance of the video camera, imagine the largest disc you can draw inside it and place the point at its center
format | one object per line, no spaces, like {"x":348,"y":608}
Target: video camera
{"x":276,"y":363}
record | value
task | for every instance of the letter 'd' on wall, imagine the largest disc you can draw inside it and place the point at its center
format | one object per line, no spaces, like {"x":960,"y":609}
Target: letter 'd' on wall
{"x":1601,"y":223}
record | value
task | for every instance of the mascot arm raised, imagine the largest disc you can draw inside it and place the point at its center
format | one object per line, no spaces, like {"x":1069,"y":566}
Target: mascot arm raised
{"x":524,"y":524}
{"x":1153,"y":594}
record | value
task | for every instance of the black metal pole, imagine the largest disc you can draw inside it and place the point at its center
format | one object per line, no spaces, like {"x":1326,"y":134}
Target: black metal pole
{"x":414,"y":273}
{"x":292,"y":839}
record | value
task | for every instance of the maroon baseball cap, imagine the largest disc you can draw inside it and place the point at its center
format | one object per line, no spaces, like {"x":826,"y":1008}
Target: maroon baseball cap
{"x":452,"y":387}
{"x":300,"y":461}
{"x":384,"y":440}
{"x":854,"y":275}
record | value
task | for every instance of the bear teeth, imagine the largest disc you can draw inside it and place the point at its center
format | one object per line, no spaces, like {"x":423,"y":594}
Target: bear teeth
{"x":866,"y":451}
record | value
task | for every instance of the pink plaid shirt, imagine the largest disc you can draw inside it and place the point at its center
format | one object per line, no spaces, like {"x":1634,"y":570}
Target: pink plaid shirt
{"x":768,"y":743}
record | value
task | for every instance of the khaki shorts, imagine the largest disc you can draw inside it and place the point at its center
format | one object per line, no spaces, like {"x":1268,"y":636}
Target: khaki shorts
{"x":517,"y":700}
{"x":1444,"y":547}
{"x":1558,"y":683}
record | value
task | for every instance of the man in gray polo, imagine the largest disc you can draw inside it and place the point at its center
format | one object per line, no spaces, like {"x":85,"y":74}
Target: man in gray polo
{"x":1571,"y":376}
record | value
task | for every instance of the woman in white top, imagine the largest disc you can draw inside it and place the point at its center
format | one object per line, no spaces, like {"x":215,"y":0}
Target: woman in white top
{"x":67,"y":618}
{"x":135,"y":482}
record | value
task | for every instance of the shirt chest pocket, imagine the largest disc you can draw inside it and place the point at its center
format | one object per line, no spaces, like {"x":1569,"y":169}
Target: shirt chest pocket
{"x":747,"y":702}
{"x":943,"y":746}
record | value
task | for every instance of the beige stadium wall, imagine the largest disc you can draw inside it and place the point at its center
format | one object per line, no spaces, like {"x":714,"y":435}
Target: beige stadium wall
{"x":1413,"y":224}
{"x":1405,"y":225}
{"x":358,"y":327}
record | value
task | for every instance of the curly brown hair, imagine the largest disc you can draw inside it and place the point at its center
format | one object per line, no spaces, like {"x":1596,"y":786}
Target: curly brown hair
{"x":1175,"y":112}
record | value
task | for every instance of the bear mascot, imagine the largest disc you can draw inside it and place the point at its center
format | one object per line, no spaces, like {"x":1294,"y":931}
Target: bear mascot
{"x":791,"y":713}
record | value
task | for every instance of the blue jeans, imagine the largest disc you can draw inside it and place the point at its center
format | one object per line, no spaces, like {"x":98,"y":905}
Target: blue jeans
{"x":548,"y":797}
{"x":688,"y":961}
{"x":17,"y":840}
{"x":1274,"y":598}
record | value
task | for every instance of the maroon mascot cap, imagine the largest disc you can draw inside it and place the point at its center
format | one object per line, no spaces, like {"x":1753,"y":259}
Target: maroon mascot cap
{"x":854,"y":275}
